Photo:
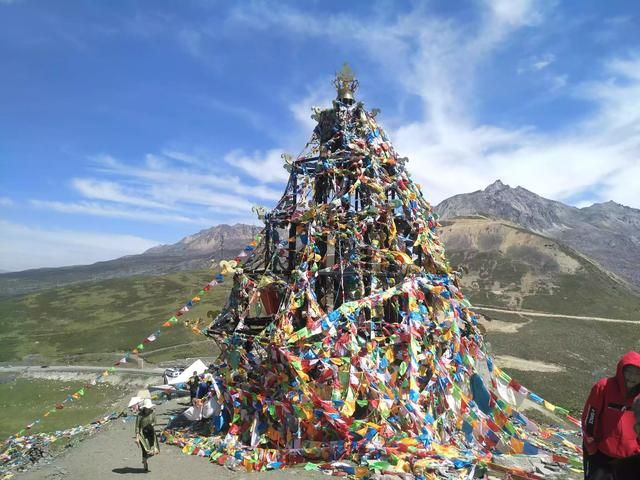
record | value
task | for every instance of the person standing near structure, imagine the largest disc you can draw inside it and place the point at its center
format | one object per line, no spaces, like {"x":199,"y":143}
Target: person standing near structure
{"x":636,"y":412}
{"x":608,"y":422}
{"x":193,"y":383}
{"x":146,"y":433}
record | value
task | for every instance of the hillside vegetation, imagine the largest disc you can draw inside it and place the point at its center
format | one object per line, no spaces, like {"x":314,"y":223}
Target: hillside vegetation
{"x":94,"y":322}
{"x":506,"y":267}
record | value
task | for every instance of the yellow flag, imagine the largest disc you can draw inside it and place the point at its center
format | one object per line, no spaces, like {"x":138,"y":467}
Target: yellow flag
{"x":389,"y":354}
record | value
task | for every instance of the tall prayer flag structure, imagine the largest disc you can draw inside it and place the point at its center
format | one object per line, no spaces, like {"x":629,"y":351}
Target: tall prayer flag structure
{"x":346,"y":335}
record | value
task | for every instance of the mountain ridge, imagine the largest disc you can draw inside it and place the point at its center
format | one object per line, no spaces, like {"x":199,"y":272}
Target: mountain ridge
{"x":194,"y":252}
{"x":607,"y":232}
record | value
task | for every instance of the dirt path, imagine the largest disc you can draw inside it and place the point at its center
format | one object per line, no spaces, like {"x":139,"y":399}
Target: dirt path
{"x":507,"y":361}
{"x":43,"y":369}
{"x":532,"y":313}
{"x":113,"y":454}
{"x":67,"y":373}
{"x":173,"y":347}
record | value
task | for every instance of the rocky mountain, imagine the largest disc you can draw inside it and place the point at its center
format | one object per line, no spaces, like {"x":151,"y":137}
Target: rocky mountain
{"x":191,"y":253}
{"x":210,"y":241}
{"x":504,"y":265}
{"x":516,"y":247}
{"x":607,"y":232}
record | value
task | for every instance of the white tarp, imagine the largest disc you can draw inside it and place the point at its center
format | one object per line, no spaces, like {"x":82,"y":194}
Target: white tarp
{"x":139,"y":398}
{"x":198,"y":366}
{"x":206,"y":410}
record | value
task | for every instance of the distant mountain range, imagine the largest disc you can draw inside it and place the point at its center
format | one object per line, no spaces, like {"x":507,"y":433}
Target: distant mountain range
{"x":521,"y":241}
{"x":609,"y":233}
{"x":194,"y":252}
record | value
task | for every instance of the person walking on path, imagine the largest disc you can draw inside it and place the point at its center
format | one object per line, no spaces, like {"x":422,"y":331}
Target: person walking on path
{"x":146,"y":432}
{"x":610,"y":441}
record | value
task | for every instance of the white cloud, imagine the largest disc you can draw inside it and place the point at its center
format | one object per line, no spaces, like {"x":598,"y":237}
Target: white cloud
{"x":265,"y":166}
{"x":158,"y":191}
{"x":321,"y":95}
{"x":162,"y":178}
{"x":23,"y":247}
{"x":583,"y":204}
{"x":451,"y":151}
{"x":249,"y":115}
{"x":536,"y":63}
{"x":6,"y":202}
{"x":112,"y":192}
{"x":187,"y":158}
{"x":599,"y":154}
{"x":102,"y":210}
{"x":515,"y":13}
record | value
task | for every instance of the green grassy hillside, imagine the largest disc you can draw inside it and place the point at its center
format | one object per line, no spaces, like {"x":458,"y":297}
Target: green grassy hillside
{"x":95,"y":322}
{"x":585,"y":350}
{"x":23,"y":400}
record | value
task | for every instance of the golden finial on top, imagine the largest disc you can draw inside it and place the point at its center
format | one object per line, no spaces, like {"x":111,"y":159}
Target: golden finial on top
{"x":346,"y":84}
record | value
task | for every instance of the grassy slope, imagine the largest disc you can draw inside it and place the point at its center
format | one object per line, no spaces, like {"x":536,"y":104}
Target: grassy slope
{"x":24,"y":400}
{"x":588,"y":350}
{"x":97,"y":321}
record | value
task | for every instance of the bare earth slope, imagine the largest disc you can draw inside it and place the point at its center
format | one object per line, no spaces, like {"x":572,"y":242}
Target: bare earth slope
{"x":607,"y":232}
{"x":507,"y":266}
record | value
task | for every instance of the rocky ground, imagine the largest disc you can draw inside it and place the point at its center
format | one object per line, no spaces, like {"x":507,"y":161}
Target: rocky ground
{"x":112,"y":453}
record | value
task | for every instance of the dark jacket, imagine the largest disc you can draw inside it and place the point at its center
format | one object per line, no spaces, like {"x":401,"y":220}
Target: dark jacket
{"x":607,"y":418}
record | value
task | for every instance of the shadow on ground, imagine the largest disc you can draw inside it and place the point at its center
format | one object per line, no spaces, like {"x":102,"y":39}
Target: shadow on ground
{"x":125,"y":470}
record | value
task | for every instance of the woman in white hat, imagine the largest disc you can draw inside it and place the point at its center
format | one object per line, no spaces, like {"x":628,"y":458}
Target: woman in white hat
{"x":145,"y":432}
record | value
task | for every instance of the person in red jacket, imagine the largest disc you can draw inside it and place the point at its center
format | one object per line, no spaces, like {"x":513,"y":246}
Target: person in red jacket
{"x":636,"y":411}
{"x":608,"y":422}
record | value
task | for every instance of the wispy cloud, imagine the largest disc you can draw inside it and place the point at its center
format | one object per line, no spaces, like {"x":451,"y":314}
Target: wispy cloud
{"x":6,"y":202}
{"x":189,"y":159}
{"x":250,"y":116}
{"x":597,"y":156}
{"x":112,"y":192}
{"x":225,"y":190}
{"x":610,"y":28}
{"x":267,"y":166}
{"x":432,"y":58}
{"x":536,"y":63}
{"x":451,"y":151}
{"x":23,"y":247}
{"x":171,"y":187}
{"x":102,"y":210}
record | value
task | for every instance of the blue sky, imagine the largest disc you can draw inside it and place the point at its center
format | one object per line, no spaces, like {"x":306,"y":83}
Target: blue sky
{"x":125,"y":124}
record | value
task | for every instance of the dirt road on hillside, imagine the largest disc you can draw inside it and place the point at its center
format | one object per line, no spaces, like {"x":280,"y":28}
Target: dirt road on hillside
{"x":26,"y":370}
{"x":532,"y":313}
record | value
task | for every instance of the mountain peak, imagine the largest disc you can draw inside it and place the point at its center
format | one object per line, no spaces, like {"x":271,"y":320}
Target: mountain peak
{"x":496,"y":186}
{"x":210,"y":240}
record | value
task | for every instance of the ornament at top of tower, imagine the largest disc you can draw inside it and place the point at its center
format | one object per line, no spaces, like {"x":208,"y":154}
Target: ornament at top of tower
{"x":346,"y":85}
